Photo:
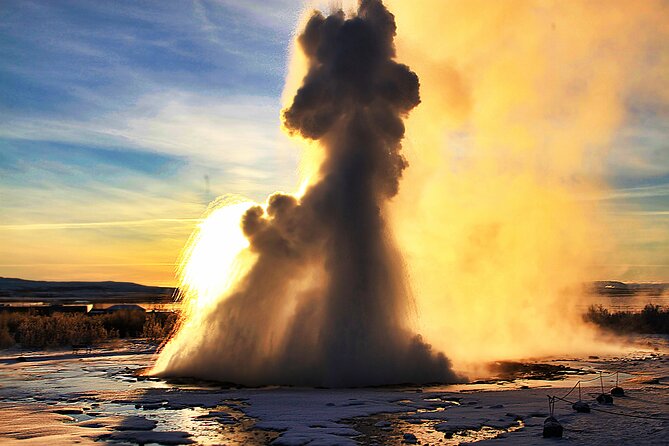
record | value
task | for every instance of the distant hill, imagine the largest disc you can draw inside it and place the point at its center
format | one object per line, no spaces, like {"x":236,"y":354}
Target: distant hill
{"x":20,"y":290}
{"x":12,"y":290}
{"x":614,"y":288}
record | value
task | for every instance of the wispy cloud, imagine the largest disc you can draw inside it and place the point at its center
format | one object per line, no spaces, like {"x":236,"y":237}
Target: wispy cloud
{"x":658,"y":190}
{"x":641,"y":149}
{"x":274,"y":14}
{"x":240,"y":129}
{"x":647,"y":213}
{"x":97,"y":224}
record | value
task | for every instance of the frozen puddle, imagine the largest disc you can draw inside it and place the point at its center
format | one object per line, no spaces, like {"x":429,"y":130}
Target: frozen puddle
{"x":59,"y":398}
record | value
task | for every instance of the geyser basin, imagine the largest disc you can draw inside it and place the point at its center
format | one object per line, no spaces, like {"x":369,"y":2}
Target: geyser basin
{"x":317,"y":295}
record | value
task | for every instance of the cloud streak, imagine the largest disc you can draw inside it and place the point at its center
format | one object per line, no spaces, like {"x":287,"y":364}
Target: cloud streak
{"x":98,"y":224}
{"x":243,"y":130}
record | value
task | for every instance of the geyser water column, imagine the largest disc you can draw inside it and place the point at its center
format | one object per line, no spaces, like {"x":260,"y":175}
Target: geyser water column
{"x":319,"y":295}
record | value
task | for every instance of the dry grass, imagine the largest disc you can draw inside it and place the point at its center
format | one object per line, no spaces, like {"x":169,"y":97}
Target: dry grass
{"x":62,"y":329}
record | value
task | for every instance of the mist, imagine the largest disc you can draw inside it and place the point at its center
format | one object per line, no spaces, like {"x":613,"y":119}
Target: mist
{"x":521,"y":102}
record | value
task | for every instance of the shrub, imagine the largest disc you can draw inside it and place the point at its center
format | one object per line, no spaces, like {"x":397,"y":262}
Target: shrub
{"x":128,"y":323}
{"x":652,"y":319}
{"x":6,"y":339}
{"x":36,"y":331}
{"x":33,"y":330}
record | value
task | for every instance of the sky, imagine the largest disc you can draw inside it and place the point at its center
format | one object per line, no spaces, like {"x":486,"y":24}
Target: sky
{"x":120,"y":121}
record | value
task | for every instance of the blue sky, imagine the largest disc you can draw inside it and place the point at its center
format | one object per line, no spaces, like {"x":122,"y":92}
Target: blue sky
{"x":113,"y":113}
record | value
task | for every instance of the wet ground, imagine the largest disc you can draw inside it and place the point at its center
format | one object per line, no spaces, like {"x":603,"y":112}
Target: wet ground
{"x":59,"y":397}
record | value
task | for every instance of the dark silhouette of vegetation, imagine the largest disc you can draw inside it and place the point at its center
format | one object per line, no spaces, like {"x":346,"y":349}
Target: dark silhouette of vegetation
{"x":652,"y":319}
{"x":61,"y":329}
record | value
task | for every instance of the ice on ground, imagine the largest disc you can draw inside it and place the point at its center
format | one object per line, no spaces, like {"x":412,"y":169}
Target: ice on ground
{"x":55,"y":398}
{"x":35,"y":424}
{"x":145,"y":437}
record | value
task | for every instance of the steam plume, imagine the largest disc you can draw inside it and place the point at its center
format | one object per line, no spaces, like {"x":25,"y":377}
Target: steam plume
{"x":319,"y":294}
{"x":521,"y":101}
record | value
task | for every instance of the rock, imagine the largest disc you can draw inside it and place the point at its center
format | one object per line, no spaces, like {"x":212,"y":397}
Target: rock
{"x":552,"y":428}
{"x":581,"y":407}
{"x":617,"y":391}
{"x":410,"y":439}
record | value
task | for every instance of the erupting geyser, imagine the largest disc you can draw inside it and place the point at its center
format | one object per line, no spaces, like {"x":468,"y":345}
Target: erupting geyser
{"x":314,"y":291}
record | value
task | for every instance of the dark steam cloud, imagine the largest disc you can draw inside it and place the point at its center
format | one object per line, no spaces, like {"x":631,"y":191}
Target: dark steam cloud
{"x":326,"y":302}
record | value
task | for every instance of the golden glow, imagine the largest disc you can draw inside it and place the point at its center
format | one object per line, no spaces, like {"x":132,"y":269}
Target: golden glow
{"x":214,"y":259}
{"x":520,"y":100}
{"x":212,"y":254}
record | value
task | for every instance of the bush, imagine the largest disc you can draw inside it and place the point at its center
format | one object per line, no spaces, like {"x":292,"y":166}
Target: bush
{"x":128,"y":323}
{"x":60,"y":329}
{"x":6,"y":339}
{"x":652,"y":319}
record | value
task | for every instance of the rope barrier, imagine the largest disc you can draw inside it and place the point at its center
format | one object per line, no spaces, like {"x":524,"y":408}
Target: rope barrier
{"x":646,"y":417}
{"x":553,"y":398}
{"x":600,"y":378}
{"x":551,"y":405}
{"x":578,"y":384}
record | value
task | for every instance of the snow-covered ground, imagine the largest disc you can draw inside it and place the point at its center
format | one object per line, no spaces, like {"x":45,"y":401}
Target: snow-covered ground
{"x":62,"y":398}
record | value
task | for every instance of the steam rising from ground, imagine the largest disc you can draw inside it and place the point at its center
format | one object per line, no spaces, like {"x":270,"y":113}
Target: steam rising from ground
{"x":520,"y":101}
{"x":318,"y":297}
